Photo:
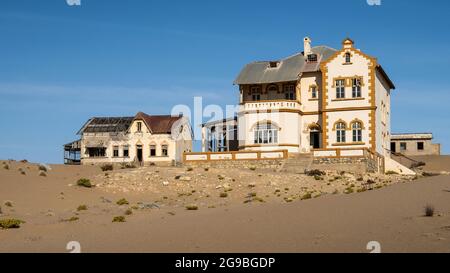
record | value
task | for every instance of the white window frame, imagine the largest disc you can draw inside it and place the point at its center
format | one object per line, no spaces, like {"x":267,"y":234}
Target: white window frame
{"x":340,"y":89}
{"x":265,"y":134}
{"x":357,"y":132}
{"x":340,"y":132}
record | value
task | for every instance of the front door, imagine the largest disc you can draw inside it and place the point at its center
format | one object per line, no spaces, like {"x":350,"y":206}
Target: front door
{"x":139,"y":153}
{"x":315,"y":140}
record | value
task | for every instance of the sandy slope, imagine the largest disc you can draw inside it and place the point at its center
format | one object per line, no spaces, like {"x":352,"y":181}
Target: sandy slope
{"x":333,"y":223}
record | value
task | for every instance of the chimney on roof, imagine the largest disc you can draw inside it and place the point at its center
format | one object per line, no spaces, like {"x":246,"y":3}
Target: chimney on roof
{"x":307,"y":46}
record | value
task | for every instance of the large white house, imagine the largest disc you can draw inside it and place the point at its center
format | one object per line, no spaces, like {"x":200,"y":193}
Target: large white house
{"x":321,"y":99}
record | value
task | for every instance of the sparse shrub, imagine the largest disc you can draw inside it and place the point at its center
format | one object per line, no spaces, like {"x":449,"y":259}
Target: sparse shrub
{"x":72,"y":219}
{"x":221,"y":177}
{"x":107,"y":167}
{"x":128,"y":212}
{"x":370,"y":182}
{"x":335,"y":191}
{"x":189,"y":169}
{"x":128,"y":166}
{"x":206,"y":169}
{"x":314,"y":172}
{"x":8,"y":204}
{"x":10,"y":223}
{"x":252,"y":194}
{"x":252,"y":168}
{"x":192,"y":207}
{"x":429,"y":210}
{"x":84,"y":182}
{"x":306,"y":196}
{"x":428,"y":174}
{"x":223,"y":195}
{"x":360,"y":179}
{"x":6,"y":166}
{"x":318,"y":178}
{"x":418,"y":164}
{"x":177,"y":177}
{"x":42,"y":168}
{"x":118,"y":219}
{"x":22,"y":172}
{"x":122,"y":202}
{"x":82,"y":207}
{"x":391,"y":173}
{"x":43,"y":174}
{"x":361,"y":190}
{"x":23,"y":161}
{"x":349,"y":190}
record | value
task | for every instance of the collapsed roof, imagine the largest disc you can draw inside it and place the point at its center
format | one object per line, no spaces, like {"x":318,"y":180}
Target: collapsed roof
{"x":156,"y":124}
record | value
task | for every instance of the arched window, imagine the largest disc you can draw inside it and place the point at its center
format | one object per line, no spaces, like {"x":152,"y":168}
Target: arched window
{"x":340,"y":132}
{"x":348,"y":57}
{"x":357,"y":131}
{"x":266,"y":134}
{"x":272,"y":88}
{"x":164,"y":150}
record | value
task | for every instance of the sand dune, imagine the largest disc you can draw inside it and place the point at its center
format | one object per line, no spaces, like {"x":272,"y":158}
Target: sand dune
{"x":391,"y":215}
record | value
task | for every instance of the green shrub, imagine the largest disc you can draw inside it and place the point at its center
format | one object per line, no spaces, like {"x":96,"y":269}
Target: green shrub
{"x":128,"y":212}
{"x":192,"y":207}
{"x":118,"y":219}
{"x":72,"y":219}
{"x":122,"y":202}
{"x":82,"y":207}
{"x":429,"y":211}
{"x":10,"y":223}
{"x":306,"y":196}
{"x":107,"y":167}
{"x":391,"y":173}
{"x":128,"y":166}
{"x":349,"y":190}
{"x":84,"y":182}
{"x":314,"y":173}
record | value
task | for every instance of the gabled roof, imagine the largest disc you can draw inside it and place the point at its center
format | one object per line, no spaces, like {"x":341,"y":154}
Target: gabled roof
{"x":288,"y":69}
{"x":106,"y":125}
{"x":158,"y":124}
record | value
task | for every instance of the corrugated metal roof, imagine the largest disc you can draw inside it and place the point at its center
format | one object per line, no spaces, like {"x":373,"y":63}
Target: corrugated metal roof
{"x":287,"y":69}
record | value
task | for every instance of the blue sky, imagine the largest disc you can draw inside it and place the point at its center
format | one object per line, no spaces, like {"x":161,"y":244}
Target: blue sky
{"x":60,"y":64}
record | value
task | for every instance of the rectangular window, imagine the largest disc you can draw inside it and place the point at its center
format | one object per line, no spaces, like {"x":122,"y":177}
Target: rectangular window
{"x":96,"y":152}
{"x":152,"y":150}
{"x":356,"y":88}
{"x":340,"y":89}
{"x":256,"y":97}
{"x":165,"y":150}
{"x":289,"y":96}
{"x":403,"y":146}
{"x":420,"y":146}
{"x":126,"y":152}
{"x":265,"y":134}
{"x":340,"y":136}
{"x":314,"y":92}
{"x":139,"y":127}
{"x":116,"y":151}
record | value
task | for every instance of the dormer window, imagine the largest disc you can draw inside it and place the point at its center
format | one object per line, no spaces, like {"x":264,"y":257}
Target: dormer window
{"x":348,"y":58}
{"x":312,"y":58}
{"x":273,"y":64}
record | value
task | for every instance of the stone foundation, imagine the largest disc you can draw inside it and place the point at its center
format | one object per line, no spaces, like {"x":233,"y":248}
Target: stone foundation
{"x":239,"y":164}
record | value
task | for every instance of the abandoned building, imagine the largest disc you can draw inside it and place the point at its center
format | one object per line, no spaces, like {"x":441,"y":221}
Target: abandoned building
{"x":414,"y":144}
{"x":142,"y":139}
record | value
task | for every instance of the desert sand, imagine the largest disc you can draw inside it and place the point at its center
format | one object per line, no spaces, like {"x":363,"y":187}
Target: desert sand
{"x":237,"y":210}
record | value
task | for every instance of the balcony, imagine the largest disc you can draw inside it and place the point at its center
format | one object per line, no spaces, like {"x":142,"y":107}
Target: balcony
{"x":270,"y":106}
